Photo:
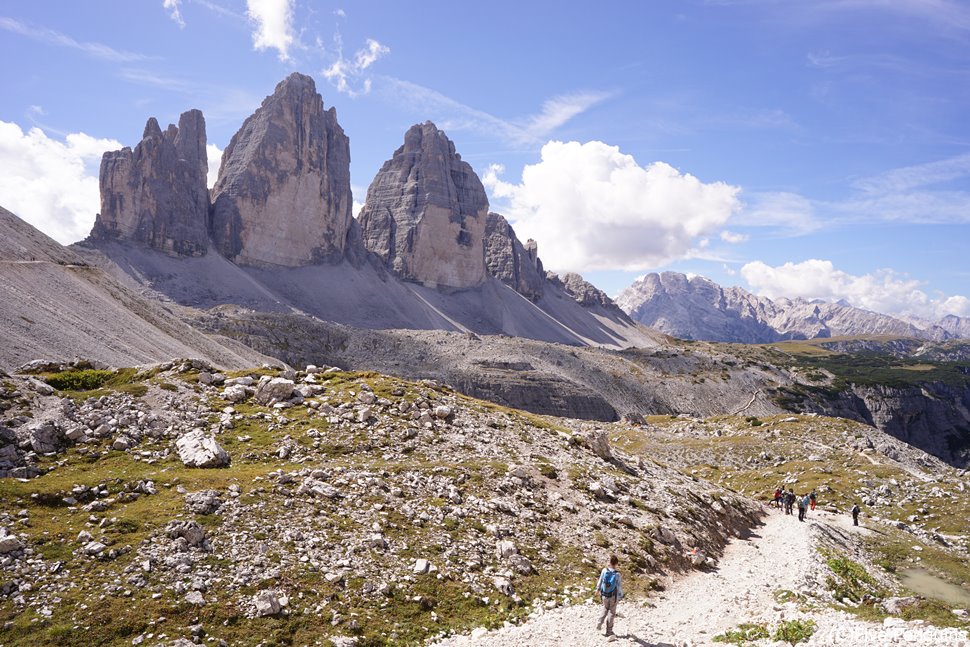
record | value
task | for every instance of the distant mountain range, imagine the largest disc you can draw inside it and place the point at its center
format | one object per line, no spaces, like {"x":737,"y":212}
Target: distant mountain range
{"x":697,"y":308}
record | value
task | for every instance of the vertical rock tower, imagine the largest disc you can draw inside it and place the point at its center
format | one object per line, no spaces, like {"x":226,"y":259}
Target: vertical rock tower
{"x":283,"y":194}
{"x":156,"y":194}
{"x":425,"y":213}
{"x":514,"y":264}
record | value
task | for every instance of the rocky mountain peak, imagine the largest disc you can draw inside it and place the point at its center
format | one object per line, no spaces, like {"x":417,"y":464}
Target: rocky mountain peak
{"x":426,"y":212}
{"x":698,"y":308}
{"x":151,"y":129}
{"x":156,"y":194}
{"x":283,"y":195}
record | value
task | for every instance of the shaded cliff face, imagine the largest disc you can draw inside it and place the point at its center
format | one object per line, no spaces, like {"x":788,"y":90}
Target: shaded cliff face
{"x":283,"y":194}
{"x":507,"y":259}
{"x":934,"y":417}
{"x":426,"y":211}
{"x":156,"y":194}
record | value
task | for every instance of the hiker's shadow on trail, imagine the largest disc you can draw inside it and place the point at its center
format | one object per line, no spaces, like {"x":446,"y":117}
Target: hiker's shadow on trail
{"x":643,"y":643}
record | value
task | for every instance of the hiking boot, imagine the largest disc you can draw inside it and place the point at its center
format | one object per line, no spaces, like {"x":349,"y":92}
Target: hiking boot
{"x":599,"y":625}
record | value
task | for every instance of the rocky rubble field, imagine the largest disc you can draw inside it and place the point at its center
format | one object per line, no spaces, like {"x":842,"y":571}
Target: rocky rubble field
{"x":177,"y":505}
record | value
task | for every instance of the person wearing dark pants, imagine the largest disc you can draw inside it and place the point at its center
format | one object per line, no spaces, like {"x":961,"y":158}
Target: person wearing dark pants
{"x":855,"y":514}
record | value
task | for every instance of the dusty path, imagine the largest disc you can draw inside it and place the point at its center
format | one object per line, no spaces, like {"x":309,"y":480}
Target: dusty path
{"x":781,"y":554}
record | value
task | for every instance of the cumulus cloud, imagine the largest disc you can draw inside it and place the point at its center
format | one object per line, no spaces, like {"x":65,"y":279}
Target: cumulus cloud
{"x":51,"y":184}
{"x":213,"y":155}
{"x":273,"y":20}
{"x":884,"y":290}
{"x":173,"y":11}
{"x":348,"y":75}
{"x":592,"y":207}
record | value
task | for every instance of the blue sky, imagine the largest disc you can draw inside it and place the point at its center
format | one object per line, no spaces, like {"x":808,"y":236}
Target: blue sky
{"x":816,"y":148}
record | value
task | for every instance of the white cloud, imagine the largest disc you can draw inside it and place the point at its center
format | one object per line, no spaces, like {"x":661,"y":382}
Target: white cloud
{"x":733,"y":237}
{"x":884,"y":290}
{"x":782,"y":210}
{"x":347,"y":75}
{"x":213,"y":156}
{"x":912,"y":177}
{"x":274,"y":25}
{"x":592,"y":207}
{"x":557,"y":111}
{"x":51,"y":37}
{"x":51,"y":184}
{"x":173,"y":11}
{"x":450,"y":114}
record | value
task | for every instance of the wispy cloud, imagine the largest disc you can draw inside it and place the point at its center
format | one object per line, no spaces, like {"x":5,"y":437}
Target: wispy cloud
{"x":919,"y":175}
{"x":454,"y":115}
{"x":174,"y":11}
{"x":219,"y":9}
{"x":899,"y":196}
{"x":767,"y":119}
{"x":349,"y":75}
{"x":558,"y":110}
{"x":948,"y":14}
{"x":273,"y":20}
{"x":52,"y":37}
{"x":220,"y":104}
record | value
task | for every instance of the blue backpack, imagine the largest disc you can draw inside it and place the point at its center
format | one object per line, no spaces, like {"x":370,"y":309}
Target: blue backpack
{"x":610,"y":580}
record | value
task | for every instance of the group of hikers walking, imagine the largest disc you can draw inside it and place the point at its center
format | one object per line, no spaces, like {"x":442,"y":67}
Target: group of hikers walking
{"x":805,"y":502}
{"x":609,"y":586}
{"x":788,"y":500}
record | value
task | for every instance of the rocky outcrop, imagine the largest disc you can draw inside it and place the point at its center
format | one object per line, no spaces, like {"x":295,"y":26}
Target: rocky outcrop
{"x":507,"y":259}
{"x":156,"y":194}
{"x":932,"y":416}
{"x":426,"y":212}
{"x":585,"y":293}
{"x":697,"y":308}
{"x":283,"y":195}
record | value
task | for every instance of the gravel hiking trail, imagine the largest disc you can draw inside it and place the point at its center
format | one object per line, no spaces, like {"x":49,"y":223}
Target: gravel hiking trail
{"x":781,"y":554}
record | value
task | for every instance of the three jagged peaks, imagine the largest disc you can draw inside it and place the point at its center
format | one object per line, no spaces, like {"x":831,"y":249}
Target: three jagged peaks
{"x":277,"y":232}
{"x":283,"y":199}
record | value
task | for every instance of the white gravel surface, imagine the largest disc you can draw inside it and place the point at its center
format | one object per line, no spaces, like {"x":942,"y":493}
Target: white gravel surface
{"x":693,"y":609}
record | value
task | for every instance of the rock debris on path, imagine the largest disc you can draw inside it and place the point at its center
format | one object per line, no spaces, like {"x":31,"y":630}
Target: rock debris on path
{"x":780,"y":555}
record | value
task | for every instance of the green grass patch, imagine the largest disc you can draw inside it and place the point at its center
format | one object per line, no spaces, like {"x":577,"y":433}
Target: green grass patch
{"x":746,"y":632}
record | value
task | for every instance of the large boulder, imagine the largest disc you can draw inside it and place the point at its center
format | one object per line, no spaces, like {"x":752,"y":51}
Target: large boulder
{"x":425,"y":213}
{"x":275,"y":389}
{"x":283,"y":194}
{"x":156,"y":194}
{"x":197,"y":449}
{"x":42,"y":437}
{"x":507,"y":259}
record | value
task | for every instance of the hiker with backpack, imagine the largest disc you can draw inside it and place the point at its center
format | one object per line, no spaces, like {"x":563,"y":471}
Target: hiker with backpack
{"x":812,"y":500}
{"x":855,"y":514}
{"x":610,"y":589}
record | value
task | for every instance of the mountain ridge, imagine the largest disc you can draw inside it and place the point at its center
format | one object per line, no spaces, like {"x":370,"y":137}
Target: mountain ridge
{"x":694,"y":307}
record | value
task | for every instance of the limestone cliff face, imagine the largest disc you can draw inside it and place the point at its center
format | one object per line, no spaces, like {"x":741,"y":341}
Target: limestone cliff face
{"x":585,"y":293}
{"x":698,"y":308}
{"x":507,"y":259}
{"x":426,"y":211}
{"x":283,"y":194}
{"x":156,"y":194}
